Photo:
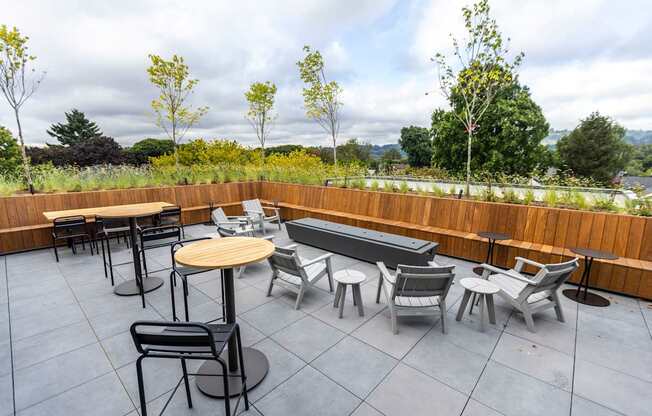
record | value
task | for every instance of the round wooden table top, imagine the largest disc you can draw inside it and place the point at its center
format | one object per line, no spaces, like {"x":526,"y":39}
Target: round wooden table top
{"x":224,"y":253}
{"x":349,"y":277}
{"x":479,"y":285}
{"x":126,"y":211}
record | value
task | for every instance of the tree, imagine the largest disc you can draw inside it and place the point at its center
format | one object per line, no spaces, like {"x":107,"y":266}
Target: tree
{"x":140,"y":152}
{"x":283,"y":149}
{"x":173,"y":115}
{"x":416,"y":142}
{"x":261,"y":101}
{"x":391,"y":155}
{"x":17,"y":82}
{"x":641,"y":161}
{"x":56,"y":154}
{"x":321,"y":97}
{"x":508,"y":140}
{"x":99,"y":150}
{"x":596,"y":148}
{"x":76,"y":129}
{"x":352,"y":151}
{"x":483,"y":70}
{"x":9,"y":152}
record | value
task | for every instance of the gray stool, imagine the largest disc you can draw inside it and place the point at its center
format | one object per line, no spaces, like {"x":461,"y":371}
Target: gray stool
{"x":485,"y":291}
{"x":348,"y":277}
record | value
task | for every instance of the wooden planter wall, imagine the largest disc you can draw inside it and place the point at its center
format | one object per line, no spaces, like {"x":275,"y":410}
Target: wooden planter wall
{"x":542,"y":234}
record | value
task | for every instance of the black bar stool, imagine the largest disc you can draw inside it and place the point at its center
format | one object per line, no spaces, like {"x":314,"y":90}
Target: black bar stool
{"x":187,"y":341}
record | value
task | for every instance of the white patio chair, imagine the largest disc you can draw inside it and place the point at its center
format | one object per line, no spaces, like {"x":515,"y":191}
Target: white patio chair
{"x":297,"y":274}
{"x":260,"y":214}
{"x":531,"y":294}
{"x":415,"y":291}
{"x":241,"y":224}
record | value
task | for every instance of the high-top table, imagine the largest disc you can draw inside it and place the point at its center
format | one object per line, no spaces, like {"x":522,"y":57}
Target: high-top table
{"x":492,"y":237}
{"x":226,"y":254}
{"x":131,"y":212}
{"x":586,"y":297}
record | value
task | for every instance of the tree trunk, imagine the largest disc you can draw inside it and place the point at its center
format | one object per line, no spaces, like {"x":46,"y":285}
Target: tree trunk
{"x":468,"y":163}
{"x":26,"y":168}
{"x":176,"y":146}
{"x":334,"y":150}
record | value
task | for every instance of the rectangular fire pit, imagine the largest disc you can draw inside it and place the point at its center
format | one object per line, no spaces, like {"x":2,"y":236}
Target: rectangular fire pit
{"x":361,"y":243}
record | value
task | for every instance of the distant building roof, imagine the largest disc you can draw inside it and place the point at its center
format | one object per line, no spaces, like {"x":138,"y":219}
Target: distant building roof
{"x":645,"y":181}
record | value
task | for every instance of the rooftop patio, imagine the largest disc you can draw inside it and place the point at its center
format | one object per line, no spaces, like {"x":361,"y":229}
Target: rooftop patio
{"x":65,"y":348}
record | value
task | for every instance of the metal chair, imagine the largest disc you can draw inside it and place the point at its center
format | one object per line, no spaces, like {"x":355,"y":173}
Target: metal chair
{"x":183,"y":272}
{"x":108,"y":228}
{"x":70,"y":229}
{"x":187,"y":341}
{"x":171,"y":216}
{"x":415,"y":291}
{"x":157,"y":237}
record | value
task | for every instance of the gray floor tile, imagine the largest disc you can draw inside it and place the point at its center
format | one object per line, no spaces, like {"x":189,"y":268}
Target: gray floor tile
{"x":365,"y":410}
{"x":308,"y":393}
{"x":120,"y":349}
{"x":282,"y":363}
{"x":406,"y":391}
{"x":272,"y":316}
{"x":475,"y":408}
{"x":446,"y":361}
{"x":355,"y":365}
{"x":56,"y":375}
{"x":32,"y":306}
{"x":103,"y":396}
{"x":515,"y":394}
{"x":553,"y":334}
{"x":308,"y":338}
{"x":113,"y":323}
{"x":249,"y":298}
{"x":45,"y":320}
{"x":466,"y":334}
{"x":544,"y":363}
{"x":313,"y":299}
{"x":617,"y":391}
{"x":583,"y":407}
{"x":41,"y":347}
{"x":6,"y":395}
{"x":621,"y":309}
{"x":599,"y":326}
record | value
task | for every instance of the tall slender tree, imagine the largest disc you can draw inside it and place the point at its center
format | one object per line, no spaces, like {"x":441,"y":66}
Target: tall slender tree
{"x":18,"y":82}
{"x":479,"y":70}
{"x":75,"y":130}
{"x":321,"y":97}
{"x":260,"y":97}
{"x":173,"y":114}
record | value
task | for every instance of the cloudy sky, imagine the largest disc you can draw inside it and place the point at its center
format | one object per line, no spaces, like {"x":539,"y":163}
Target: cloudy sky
{"x":580,"y":56}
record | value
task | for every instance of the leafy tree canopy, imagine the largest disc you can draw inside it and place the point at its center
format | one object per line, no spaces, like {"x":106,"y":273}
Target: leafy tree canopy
{"x":10,"y":156}
{"x":140,"y":152}
{"x":596,"y":148}
{"x":353,"y":151}
{"x":75,"y":130}
{"x":641,"y":162}
{"x":214,"y":152}
{"x":508,"y":139}
{"x":391,"y":154}
{"x":98,"y":150}
{"x":416,"y":142}
{"x":260,"y":98}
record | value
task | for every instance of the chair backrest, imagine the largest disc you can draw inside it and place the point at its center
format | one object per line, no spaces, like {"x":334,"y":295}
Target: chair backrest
{"x":173,"y":211}
{"x":178,"y":244}
{"x":171,"y":338}
{"x":110,"y":224}
{"x":286,"y":260}
{"x":419,"y":281}
{"x":252,"y":205}
{"x":218,"y":216}
{"x":555,"y":274}
{"x":69,"y":225}
{"x":170,"y":233}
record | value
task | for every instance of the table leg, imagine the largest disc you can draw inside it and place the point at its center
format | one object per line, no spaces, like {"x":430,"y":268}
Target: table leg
{"x":584,"y":296}
{"x":465,"y":300}
{"x":488,"y":259}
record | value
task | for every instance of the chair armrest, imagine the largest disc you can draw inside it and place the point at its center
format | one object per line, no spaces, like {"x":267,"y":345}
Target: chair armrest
{"x":233,"y":222}
{"x":520,"y":261}
{"x":488,"y":269}
{"x":271,"y":209}
{"x":290,"y":246}
{"x":323,"y":257}
{"x":385,"y":273}
{"x":241,"y":218}
{"x":511,"y":273}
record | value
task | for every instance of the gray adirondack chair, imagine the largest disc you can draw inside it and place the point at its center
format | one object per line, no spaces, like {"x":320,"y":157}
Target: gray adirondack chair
{"x":259,"y":214}
{"x":235,"y":224}
{"x":297,"y":274}
{"x":415,"y":290}
{"x":531,"y":294}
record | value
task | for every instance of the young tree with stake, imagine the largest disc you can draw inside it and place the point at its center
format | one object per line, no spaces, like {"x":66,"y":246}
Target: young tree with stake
{"x":320,"y":97}
{"x":173,"y":115}
{"x":260,"y":97}
{"x":17,"y":82}
{"x":481,"y":70}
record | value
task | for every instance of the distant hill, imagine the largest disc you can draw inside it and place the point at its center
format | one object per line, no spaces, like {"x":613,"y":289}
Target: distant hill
{"x":636,"y":137}
{"x":377,"y":150}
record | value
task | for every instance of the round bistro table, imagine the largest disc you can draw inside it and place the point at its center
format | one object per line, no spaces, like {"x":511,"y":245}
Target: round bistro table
{"x":492,"y":237}
{"x":138,"y":285}
{"x":351,"y":278}
{"x":227,"y":254}
{"x":585,"y":297}
{"x":486,"y":290}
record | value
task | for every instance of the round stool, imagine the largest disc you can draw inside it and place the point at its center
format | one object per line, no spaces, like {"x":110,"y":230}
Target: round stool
{"x":348,"y":277}
{"x":485,"y":291}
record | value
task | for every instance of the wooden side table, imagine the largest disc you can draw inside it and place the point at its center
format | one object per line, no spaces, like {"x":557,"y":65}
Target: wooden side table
{"x":485,"y":291}
{"x":353,"y":278}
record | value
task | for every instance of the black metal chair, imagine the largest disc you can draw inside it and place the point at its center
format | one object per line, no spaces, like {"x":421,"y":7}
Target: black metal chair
{"x":108,"y":228}
{"x":188,"y":341}
{"x":171,"y":216}
{"x":183,"y":272}
{"x":157,"y":237}
{"x":70,"y":229}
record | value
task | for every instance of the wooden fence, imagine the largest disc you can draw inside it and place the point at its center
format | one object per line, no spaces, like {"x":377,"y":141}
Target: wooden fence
{"x":543,"y":234}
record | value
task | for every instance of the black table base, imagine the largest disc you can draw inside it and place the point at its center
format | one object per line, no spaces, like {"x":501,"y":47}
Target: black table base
{"x":256,"y":368}
{"x":130,"y":287}
{"x":586,"y":298}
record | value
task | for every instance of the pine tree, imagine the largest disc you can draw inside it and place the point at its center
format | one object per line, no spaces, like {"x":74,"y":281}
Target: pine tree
{"x":77,"y":129}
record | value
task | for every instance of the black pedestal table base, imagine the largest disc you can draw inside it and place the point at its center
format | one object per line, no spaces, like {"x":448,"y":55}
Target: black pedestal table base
{"x":256,"y":368}
{"x":130,"y":287}
{"x":586,"y":298}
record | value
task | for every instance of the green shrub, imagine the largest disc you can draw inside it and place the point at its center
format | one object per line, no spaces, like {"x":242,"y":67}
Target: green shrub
{"x":388,"y":186}
{"x":403,"y":187}
{"x":374,"y":185}
{"x":604,"y":203}
{"x":488,"y":195}
{"x":438,"y":191}
{"x":550,"y":198}
{"x":640,"y":206}
{"x":529,"y":197}
{"x":510,"y":196}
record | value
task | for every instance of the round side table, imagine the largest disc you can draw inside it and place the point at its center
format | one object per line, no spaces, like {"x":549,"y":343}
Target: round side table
{"x":485,"y":291}
{"x":492,"y":237}
{"x":584,"y":296}
{"x":353,"y":278}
